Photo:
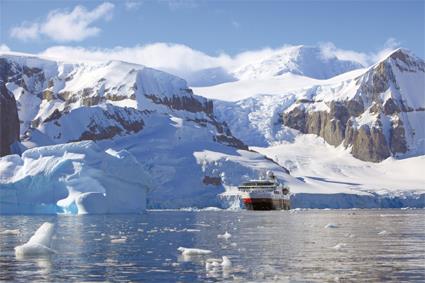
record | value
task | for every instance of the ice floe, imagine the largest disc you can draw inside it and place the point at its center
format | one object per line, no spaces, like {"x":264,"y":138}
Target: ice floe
{"x":39,"y":243}
{"x":225,"y":236}
{"x":193,"y":251}
{"x":10,"y":232}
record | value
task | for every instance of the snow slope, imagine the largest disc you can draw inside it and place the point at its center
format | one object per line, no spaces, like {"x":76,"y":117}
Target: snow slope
{"x":309,"y":158}
{"x":277,"y":85}
{"x":308,"y":61}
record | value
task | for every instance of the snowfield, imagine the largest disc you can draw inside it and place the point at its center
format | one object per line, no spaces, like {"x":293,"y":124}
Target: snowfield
{"x":333,"y":170}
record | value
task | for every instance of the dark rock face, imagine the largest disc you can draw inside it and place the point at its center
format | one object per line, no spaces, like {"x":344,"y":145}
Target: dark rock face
{"x":398,"y":138}
{"x":296,"y":119}
{"x":187,"y":103}
{"x":121,"y":121}
{"x":9,"y":121}
{"x":214,"y":181}
{"x":337,"y":125}
{"x":369,"y":144}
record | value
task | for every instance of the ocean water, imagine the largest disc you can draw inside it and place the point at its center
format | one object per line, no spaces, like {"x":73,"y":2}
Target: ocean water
{"x":280,"y":246}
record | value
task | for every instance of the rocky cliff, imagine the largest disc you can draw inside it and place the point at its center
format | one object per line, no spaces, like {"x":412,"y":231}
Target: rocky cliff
{"x":376,"y":114}
{"x":59,"y":102}
{"x":9,"y":121}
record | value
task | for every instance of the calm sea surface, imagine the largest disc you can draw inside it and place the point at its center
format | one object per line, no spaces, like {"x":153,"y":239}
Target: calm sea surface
{"x":281,"y":246}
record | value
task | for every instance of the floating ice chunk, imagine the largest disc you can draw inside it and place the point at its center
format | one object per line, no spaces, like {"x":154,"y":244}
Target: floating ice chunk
{"x":339,"y":246}
{"x":202,"y":224}
{"x":10,"y":232}
{"x":191,"y":251}
{"x":39,"y":243}
{"x":121,"y":240}
{"x":212,"y":208}
{"x":226,"y":263}
{"x":212,"y":263}
{"x":383,"y":232}
{"x":225,"y":236}
{"x":191,"y":230}
{"x":331,"y":225}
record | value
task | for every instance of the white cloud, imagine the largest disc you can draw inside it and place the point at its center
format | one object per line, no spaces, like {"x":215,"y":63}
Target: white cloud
{"x":389,"y":46}
{"x":180,"y":59}
{"x":133,"y":5}
{"x":365,"y":59}
{"x":63,"y":26}
{"x":26,"y":31}
{"x":4,"y":48}
{"x":171,"y":57}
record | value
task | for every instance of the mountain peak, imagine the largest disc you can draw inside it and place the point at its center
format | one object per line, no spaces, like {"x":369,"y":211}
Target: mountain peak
{"x":402,"y":59}
{"x":303,"y":60}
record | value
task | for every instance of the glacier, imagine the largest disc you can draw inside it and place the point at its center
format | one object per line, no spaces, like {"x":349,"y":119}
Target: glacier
{"x":73,"y":178}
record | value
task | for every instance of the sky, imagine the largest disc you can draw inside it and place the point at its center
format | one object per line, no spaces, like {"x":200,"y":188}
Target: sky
{"x":204,"y":30}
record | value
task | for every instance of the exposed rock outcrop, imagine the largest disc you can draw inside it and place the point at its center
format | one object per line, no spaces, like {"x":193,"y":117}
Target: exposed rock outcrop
{"x":9,"y":121}
{"x":358,"y":121}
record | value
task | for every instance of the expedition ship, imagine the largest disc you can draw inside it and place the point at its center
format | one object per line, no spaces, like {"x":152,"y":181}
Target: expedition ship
{"x":265,"y":194}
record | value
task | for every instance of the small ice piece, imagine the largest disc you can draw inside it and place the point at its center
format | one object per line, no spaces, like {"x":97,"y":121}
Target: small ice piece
{"x":10,"y":232}
{"x":339,"y":246}
{"x":191,"y":230}
{"x":212,"y":263}
{"x":121,"y":240}
{"x":331,"y":225}
{"x":39,"y":243}
{"x":383,"y":232}
{"x":191,"y":251}
{"x":234,"y":244}
{"x":226,"y":263}
{"x":225,"y":236}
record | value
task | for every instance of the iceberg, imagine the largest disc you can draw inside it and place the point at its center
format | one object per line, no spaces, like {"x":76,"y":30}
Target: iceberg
{"x":39,"y":243}
{"x":73,"y":178}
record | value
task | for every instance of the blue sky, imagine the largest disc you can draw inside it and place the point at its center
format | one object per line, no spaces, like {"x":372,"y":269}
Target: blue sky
{"x":212,"y":27}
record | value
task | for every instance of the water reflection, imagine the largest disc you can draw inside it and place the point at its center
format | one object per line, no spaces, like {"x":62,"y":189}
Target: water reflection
{"x":263,"y":246}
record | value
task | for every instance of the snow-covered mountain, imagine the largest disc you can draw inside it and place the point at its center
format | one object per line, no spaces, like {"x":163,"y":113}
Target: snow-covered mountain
{"x":152,"y":114}
{"x":196,"y":149}
{"x":305,"y":62}
{"x":374,"y":112}
{"x":377,"y":114}
{"x":309,"y":61}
